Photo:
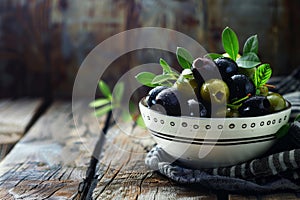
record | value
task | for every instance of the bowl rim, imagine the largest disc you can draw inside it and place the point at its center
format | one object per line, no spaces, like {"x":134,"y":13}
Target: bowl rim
{"x":143,"y":103}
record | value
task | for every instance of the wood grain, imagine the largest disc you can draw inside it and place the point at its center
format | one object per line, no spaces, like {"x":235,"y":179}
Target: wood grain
{"x":15,"y":118}
{"x":123,"y":175}
{"x":51,"y":160}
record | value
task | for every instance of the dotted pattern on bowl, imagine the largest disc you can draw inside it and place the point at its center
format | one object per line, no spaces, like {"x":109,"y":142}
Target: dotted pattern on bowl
{"x":220,"y":126}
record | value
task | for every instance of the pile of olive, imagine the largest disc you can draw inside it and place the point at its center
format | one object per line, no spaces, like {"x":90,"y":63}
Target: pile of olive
{"x":212,"y":86}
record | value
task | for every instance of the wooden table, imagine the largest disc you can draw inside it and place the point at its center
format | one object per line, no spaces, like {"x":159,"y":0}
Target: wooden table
{"x":52,"y":156}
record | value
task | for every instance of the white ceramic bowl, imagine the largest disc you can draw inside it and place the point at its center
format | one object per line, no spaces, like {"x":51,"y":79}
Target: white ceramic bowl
{"x":213,"y":142}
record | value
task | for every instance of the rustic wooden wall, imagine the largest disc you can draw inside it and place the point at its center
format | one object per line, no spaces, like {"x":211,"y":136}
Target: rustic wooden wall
{"x":43,"y":42}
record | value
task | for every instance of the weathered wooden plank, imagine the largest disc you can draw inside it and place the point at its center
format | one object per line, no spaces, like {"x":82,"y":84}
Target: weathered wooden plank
{"x":5,"y":149}
{"x":51,"y":160}
{"x":15,"y":116}
{"x":123,"y":174}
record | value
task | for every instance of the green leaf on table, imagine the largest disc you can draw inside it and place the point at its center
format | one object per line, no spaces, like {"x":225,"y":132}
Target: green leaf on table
{"x":230,"y":43}
{"x":251,"y":45}
{"x":140,"y":122}
{"x":166,"y":67}
{"x":248,"y":60}
{"x":213,"y":56}
{"x":146,"y":78}
{"x":162,"y":78}
{"x":118,"y":92}
{"x":184,"y":58}
{"x":103,"y":110}
{"x":104,"y":89}
{"x":262,"y":75}
{"x":99,"y":102}
{"x":283,"y":130}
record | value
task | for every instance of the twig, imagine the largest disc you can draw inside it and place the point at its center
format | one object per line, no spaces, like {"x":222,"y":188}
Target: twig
{"x":84,"y":186}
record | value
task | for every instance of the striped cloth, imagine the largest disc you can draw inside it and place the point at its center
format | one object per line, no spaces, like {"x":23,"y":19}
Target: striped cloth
{"x":294,"y":98}
{"x":279,"y":169}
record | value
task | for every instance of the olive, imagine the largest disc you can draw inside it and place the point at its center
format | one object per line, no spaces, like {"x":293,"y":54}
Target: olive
{"x":255,"y":106}
{"x":215,"y":91}
{"x":219,"y":112}
{"x":187,"y":84}
{"x":227,"y":67}
{"x":263,"y":90}
{"x":204,"y":69}
{"x":169,"y":101}
{"x":195,"y":109}
{"x":232,"y":113}
{"x":150,"y":99}
{"x":240,"y":86}
{"x":277,"y":102}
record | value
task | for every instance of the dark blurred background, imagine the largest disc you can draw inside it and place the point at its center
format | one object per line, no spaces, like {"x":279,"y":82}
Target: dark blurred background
{"x":43,"y":42}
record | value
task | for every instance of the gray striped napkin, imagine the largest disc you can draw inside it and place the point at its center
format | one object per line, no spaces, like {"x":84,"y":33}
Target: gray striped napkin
{"x":279,"y":169}
{"x":276,"y":171}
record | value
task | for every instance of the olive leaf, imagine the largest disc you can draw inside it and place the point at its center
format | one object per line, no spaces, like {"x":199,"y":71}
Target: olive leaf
{"x":248,"y":60}
{"x":230,"y":43}
{"x":103,"y":110}
{"x":162,"y":78}
{"x":213,"y":56}
{"x":187,"y":74}
{"x":283,"y":130}
{"x":104,"y":89}
{"x":105,"y":105}
{"x":99,"y":102}
{"x":166,"y":67}
{"x":145,"y":78}
{"x":251,"y":45}
{"x":184,"y":58}
{"x":118,"y":92}
{"x":262,"y":75}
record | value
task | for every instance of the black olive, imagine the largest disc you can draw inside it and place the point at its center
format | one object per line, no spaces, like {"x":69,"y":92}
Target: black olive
{"x":169,"y":101}
{"x":204,"y":69}
{"x":227,"y":67}
{"x":150,"y":99}
{"x":240,"y":86}
{"x":255,"y":106}
{"x":195,"y":109}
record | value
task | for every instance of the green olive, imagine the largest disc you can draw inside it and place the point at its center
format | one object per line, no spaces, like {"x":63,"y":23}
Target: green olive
{"x":187,"y":86}
{"x":232,"y":113}
{"x":277,"y":102}
{"x":215,"y":91}
{"x":264,"y":90}
{"x":220,"y":112}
